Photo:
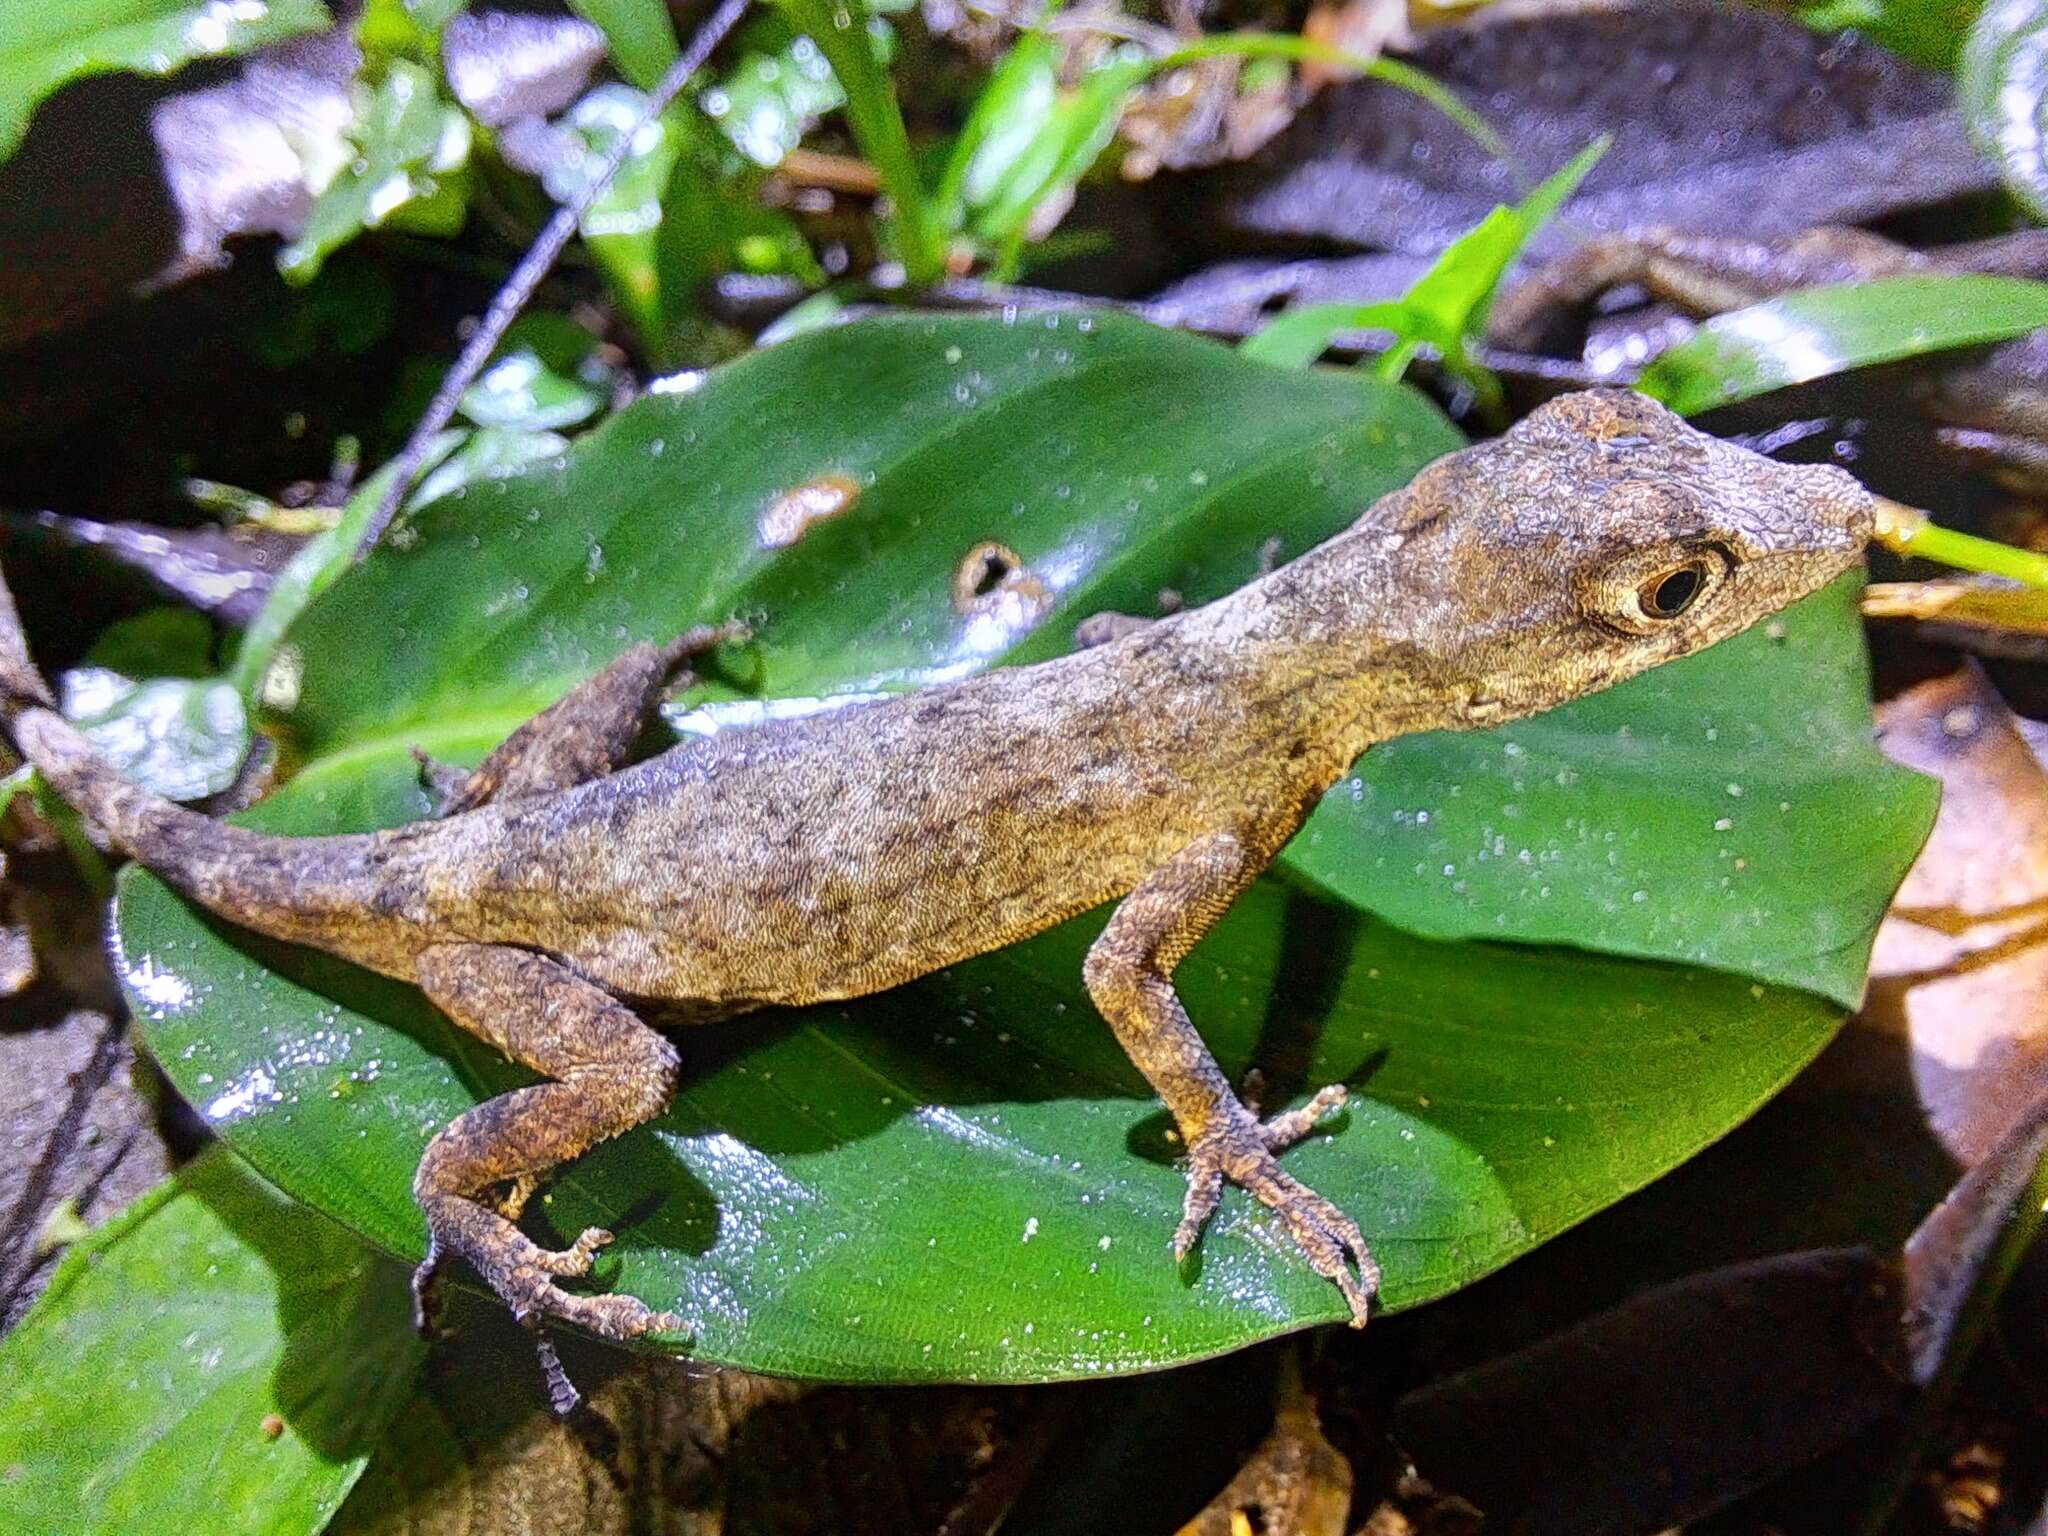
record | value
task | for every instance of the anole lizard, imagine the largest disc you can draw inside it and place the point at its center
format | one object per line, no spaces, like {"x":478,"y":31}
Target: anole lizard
{"x":824,"y":857}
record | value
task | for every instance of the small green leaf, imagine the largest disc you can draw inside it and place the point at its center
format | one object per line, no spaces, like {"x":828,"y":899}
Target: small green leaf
{"x":2002,"y":84}
{"x":164,"y":642}
{"x":213,"y":1358}
{"x":639,"y":33}
{"x":1446,"y":307}
{"x":486,"y":454}
{"x":519,"y":392}
{"x":622,"y":229}
{"x":1076,"y":131}
{"x":183,"y":733}
{"x":965,"y":1177}
{"x":44,"y":43}
{"x":411,"y":147}
{"x":771,"y":99}
{"x":179,"y":738}
{"x":1009,"y":113}
{"x":1299,"y":337}
{"x":1816,"y":332}
{"x":844,"y":31}
{"x":408,"y":28}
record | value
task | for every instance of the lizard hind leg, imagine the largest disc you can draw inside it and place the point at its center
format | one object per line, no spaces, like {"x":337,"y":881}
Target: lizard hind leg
{"x":584,"y":735}
{"x":611,"y":1072}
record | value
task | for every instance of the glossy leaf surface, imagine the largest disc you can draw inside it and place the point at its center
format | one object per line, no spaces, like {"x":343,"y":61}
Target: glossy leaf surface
{"x":1816,"y":332}
{"x":214,"y":1348}
{"x":964,"y":1177}
{"x":42,"y":45}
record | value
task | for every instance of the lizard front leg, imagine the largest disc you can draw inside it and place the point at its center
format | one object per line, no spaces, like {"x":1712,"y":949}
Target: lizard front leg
{"x":612,"y":1073}
{"x":1129,"y":972}
{"x":585,"y":734}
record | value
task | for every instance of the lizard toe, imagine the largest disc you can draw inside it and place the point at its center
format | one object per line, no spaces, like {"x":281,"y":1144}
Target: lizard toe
{"x":575,"y":1259}
{"x":619,"y":1318}
{"x":1283,"y":1131}
{"x":1240,"y":1149}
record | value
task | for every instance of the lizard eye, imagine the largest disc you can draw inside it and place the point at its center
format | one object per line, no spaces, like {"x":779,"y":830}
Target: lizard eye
{"x":1669,"y":593}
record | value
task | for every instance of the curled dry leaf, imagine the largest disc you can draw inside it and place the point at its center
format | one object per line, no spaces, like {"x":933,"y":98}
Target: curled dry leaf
{"x":1982,"y":615}
{"x":1961,"y":964}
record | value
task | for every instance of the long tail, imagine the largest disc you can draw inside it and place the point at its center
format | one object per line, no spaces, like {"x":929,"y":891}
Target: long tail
{"x":305,"y":889}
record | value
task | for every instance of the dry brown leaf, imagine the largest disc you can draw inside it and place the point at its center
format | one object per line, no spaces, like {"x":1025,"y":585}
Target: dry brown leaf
{"x":1961,"y":964}
{"x":1361,"y":27}
{"x":1979,"y":614}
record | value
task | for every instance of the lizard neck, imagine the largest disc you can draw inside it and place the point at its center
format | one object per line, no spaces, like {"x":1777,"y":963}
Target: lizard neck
{"x":1343,"y":647}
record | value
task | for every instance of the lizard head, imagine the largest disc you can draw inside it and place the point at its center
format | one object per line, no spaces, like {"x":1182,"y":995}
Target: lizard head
{"x":1600,"y":537}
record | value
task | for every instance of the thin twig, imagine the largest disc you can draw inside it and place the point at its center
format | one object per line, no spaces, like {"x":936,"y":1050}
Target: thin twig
{"x":532,"y":268}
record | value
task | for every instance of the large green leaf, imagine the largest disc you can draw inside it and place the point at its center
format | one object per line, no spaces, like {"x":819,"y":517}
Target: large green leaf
{"x":1705,"y":812}
{"x":43,"y":44}
{"x":212,"y":1349}
{"x":1815,"y":332}
{"x":964,"y":1177}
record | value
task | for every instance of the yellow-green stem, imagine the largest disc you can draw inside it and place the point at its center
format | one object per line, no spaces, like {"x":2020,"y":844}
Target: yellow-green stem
{"x":1907,"y":531}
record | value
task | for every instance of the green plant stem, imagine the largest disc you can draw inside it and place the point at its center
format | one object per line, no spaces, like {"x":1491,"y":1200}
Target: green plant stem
{"x":1282,"y":45}
{"x":839,"y":29}
{"x":1908,"y":531}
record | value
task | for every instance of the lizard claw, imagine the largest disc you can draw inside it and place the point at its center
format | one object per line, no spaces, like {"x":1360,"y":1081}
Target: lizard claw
{"x":523,"y":1274}
{"x":1239,"y":1149}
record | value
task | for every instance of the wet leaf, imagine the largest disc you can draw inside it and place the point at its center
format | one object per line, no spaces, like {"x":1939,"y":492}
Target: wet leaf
{"x":1821,"y":331}
{"x":214,"y":1348}
{"x":181,"y":738}
{"x":2003,"y":86}
{"x":1685,"y":816}
{"x":42,"y":45}
{"x":964,"y":1177}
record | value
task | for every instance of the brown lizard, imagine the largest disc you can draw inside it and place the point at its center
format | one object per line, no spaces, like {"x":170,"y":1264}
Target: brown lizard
{"x":838,"y":854}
